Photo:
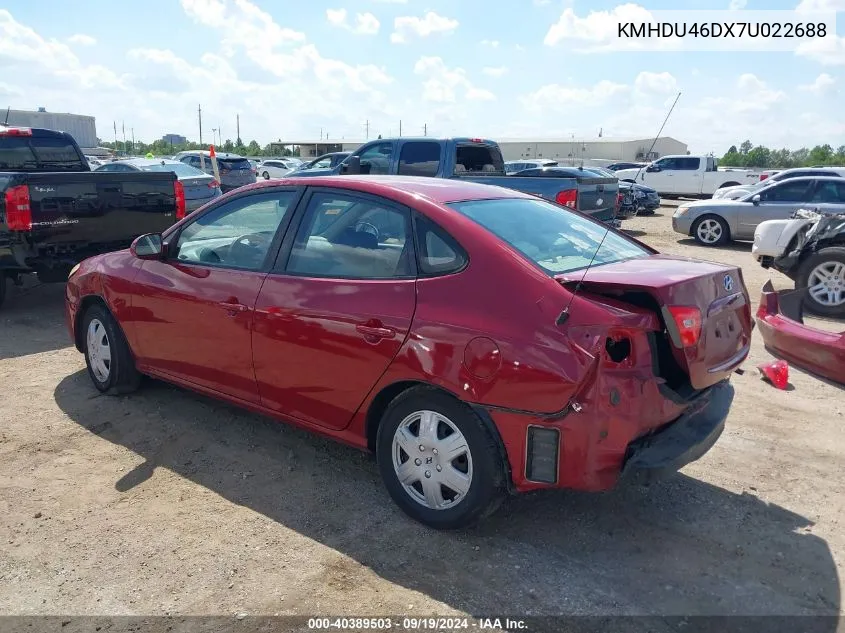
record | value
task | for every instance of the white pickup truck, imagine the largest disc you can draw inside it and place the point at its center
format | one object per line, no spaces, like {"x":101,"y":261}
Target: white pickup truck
{"x":688,"y":176}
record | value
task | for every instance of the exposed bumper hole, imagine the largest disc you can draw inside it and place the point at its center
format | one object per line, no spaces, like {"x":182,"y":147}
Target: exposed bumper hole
{"x":618,"y":350}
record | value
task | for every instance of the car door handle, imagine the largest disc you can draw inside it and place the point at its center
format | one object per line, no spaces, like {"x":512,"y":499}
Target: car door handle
{"x":233,"y":308}
{"x":374,"y":331}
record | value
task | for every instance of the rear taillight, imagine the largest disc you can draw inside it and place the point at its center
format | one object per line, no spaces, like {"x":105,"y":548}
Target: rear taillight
{"x":179,"y":192}
{"x":18,"y":209}
{"x":213,"y":184}
{"x":763,"y":177}
{"x":568,"y":198}
{"x":619,"y":199}
{"x":688,"y":322}
{"x":16,"y":131}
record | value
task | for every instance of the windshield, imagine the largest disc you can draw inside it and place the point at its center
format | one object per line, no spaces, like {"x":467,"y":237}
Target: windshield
{"x":557,"y":240}
{"x":180,"y":169}
{"x":39,"y":153}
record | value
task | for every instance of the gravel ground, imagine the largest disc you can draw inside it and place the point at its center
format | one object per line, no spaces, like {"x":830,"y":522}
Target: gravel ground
{"x":165,"y":502}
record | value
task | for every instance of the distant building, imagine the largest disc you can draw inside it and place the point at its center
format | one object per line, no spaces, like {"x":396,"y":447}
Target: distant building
{"x":81,"y":127}
{"x":603,"y":148}
{"x":174,"y":139}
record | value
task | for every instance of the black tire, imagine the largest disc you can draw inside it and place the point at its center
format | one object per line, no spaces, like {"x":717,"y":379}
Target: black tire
{"x":266,"y":175}
{"x":487,"y":485}
{"x":724,"y":236}
{"x":832,"y":254}
{"x":122,"y":377}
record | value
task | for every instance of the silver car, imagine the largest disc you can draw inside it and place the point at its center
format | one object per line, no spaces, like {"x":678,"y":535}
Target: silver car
{"x":717,"y":222}
{"x":235,"y":171}
{"x":737,"y":192}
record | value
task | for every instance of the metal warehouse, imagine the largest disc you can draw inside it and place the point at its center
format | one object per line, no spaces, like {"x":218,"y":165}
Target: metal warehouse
{"x":80,"y":126}
{"x":602,"y":148}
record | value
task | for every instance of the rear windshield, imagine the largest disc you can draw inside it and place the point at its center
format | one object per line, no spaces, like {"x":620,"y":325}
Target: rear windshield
{"x":235,"y":163}
{"x":558,"y":241}
{"x":180,"y":169}
{"x":478,"y":158}
{"x":39,"y":153}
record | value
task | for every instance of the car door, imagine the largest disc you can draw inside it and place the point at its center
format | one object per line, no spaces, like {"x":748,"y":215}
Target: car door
{"x":777,"y":202}
{"x":663,"y":179}
{"x":194,"y":309}
{"x":377,"y":159}
{"x":336,"y":309}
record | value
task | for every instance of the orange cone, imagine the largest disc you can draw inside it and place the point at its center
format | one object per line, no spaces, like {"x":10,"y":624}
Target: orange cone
{"x":211,"y":154}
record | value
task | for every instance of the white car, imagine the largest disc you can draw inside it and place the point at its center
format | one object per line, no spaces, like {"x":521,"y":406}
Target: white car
{"x":275,"y":168}
{"x":735,"y":193}
{"x":687,"y":176}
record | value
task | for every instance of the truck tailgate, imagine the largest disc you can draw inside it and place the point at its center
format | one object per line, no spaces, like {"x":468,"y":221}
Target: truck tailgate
{"x":597,"y":197}
{"x":99,"y":207}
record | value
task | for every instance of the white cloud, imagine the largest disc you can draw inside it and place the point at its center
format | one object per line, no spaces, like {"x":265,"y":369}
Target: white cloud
{"x":409,"y":25}
{"x":820,"y":5}
{"x":490,"y":43}
{"x":599,"y":30}
{"x":82,"y":39}
{"x":365,"y":23}
{"x":391,"y":1}
{"x":559,"y":98}
{"x":821,"y":85}
{"x":494,"y":71}
{"x":656,"y":83}
{"x":829,"y":51}
{"x":737,"y":5}
{"x":442,"y":84}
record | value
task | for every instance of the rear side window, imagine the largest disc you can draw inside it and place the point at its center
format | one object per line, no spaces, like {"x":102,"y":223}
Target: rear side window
{"x":688,"y":164}
{"x":419,"y":159}
{"x":478,"y":158}
{"x":39,"y":153}
{"x":437,"y":252}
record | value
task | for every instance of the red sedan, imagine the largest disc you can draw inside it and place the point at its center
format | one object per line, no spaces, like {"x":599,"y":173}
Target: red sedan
{"x":479,"y":340}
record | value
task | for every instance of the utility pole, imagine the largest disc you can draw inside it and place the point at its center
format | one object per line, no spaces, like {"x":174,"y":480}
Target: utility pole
{"x":199,"y":114}
{"x":220,"y":134}
{"x":400,"y":127}
{"x":367,"y":130}
{"x":425,"y":129}
{"x":214,"y":136}
{"x":321,"y":134}
{"x":238,"y":121}
{"x":132,"y":129}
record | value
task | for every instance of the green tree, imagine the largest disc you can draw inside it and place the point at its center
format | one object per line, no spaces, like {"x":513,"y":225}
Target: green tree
{"x":228,"y":145}
{"x":253,"y":149}
{"x":821,"y":154}
{"x":745,"y":147}
{"x":760,"y":156}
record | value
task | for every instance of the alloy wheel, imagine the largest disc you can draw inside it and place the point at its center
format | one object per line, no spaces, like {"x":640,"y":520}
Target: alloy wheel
{"x":826,"y":284}
{"x":709,"y":231}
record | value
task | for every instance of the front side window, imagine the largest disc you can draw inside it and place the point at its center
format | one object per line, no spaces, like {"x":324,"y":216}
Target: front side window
{"x":237,"y":234}
{"x":349,"y":237}
{"x":375,"y":160}
{"x":556,"y":240}
{"x":789,"y":191}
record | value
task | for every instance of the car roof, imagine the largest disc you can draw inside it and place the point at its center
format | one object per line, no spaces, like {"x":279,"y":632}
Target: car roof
{"x":438,"y":190}
{"x":197,"y":152}
{"x":141,"y":162}
{"x":808,"y":178}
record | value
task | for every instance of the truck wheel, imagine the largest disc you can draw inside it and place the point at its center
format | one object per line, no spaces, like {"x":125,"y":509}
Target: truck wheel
{"x":823,"y":274}
{"x":438,"y":460}
{"x":107,"y":354}
{"x":711,"y":230}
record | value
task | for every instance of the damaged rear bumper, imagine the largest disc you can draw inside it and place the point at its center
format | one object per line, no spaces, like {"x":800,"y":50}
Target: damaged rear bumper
{"x":781,"y":323}
{"x":681,"y":442}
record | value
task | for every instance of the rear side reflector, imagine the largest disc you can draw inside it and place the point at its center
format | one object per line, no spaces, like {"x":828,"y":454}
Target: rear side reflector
{"x":18,"y":209}
{"x":568,"y":198}
{"x":541,"y":455}
{"x":179,"y":192}
{"x":688,"y":322}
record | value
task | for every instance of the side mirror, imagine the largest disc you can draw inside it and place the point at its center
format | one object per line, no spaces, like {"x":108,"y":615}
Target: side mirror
{"x":149,"y":246}
{"x":653,"y":168}
{"x":351,"y":165}
{"x":756,"y":198}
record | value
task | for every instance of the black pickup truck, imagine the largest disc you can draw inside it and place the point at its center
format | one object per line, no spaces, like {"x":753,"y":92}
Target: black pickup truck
{"x":55,"y":212}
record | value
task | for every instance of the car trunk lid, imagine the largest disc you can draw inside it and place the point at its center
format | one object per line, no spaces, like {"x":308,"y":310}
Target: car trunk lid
{"x":704,"y":308}
{"x":198,"y":188}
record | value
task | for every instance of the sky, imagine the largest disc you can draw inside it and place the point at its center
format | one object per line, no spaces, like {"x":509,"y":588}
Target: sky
{"x":297,"y":70}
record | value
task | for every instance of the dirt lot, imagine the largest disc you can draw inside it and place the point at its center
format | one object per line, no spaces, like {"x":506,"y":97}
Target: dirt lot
{"x":169,"y":503}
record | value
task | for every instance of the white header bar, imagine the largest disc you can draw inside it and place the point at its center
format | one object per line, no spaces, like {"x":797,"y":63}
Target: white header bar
{"x":728,"y":30}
